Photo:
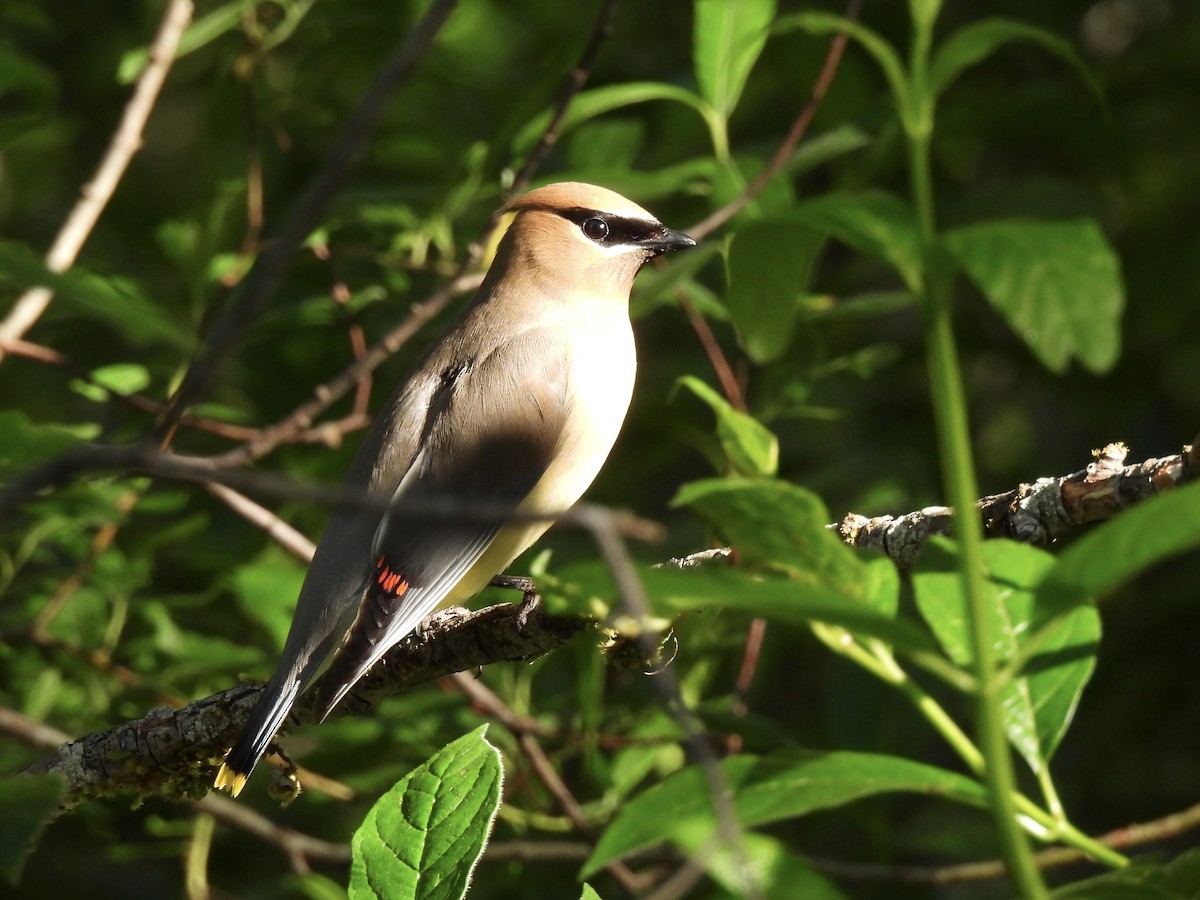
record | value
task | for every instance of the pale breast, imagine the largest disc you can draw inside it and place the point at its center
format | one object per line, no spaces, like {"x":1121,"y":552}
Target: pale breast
{"x":603,"y":365}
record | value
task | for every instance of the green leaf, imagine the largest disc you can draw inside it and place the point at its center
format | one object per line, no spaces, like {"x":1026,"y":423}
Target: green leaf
{"x":778,"y":526}
{"x":727,"y":40}
{"x":879,"y":303}
{"x":875,"y":222}
{"x":768,"y":266}
{"x":589,"y":893}
{"x":765,"y":857}
{"x":424,"y":837}
{"x":204,"y":30}
{"x":977,"y":41}
{"x":778,"y":599}
{"x":27,"y":801}
{"x":1143,"y":880}
{"x":267,"y":589}
{"x":884,"y":53}
{"x":1039,"y":704}
{"x":24,"y":442}
{"x":781,"y":785}
{"x":119,"y":378}
{"x":1057,"y":283}
{"x":115,"y":301}
{"x":749,"y":446}
{"x":596,"y":102}
{"x":1115,"y":551}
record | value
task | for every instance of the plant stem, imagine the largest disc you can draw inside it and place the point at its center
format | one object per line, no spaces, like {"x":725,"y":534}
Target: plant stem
{"x":950,"y":414}
{"x":958,"y":468}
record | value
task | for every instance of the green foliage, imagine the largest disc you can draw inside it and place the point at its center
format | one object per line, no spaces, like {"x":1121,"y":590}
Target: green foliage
{"x":424,"y":837}
{"x":1057,"y":284}
{"x":976,"y":206}
{"x":27,"y":802}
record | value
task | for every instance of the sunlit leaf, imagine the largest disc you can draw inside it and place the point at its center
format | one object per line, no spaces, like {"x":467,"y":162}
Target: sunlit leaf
{"x":1039,"y":704}
{"x":749,"y":445}
{"x":596,"y":102}
{"x":727,"y":39}
{"x":874,"y":222}
{"x":424,"y":837}
{"x":1057,"y":283}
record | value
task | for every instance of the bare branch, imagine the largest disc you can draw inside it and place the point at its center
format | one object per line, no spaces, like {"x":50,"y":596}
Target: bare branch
{"x":1037,"y":513}
{"x":126,"y":141}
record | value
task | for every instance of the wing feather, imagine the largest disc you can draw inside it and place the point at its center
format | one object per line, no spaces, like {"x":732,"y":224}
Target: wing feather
{"x":493,"y":427}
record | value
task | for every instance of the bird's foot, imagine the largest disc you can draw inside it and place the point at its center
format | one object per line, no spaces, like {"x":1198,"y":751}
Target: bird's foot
{"x":531,"y":600}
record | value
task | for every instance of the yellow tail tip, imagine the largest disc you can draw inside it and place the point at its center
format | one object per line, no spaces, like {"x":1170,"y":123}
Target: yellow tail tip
{"x":229,"y":780}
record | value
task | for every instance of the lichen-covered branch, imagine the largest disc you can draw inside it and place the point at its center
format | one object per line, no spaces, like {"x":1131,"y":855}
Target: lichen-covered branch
{"x":174,"y":752}
{"x":1037,"y":513}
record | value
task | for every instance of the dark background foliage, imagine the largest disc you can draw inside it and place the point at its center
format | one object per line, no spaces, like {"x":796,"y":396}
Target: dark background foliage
{"x":189,"y":597}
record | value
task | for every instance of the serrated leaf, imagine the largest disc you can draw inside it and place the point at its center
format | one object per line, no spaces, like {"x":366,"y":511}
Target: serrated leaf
{"x":27,"y":801}
{"x":770,"y":788}
{"x":976,"y":41}
{"x":424,"y":837}
{"x":768,"y":266}
{"x":1038,"y":704}
{"x":727,"y":40}
{"x":874,"y":222}
{"x":750,"y":447}
{"x":596,"y":102}
{"x":1057,"y":283}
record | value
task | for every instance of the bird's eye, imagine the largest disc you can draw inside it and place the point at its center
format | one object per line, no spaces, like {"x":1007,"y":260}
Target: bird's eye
{"x":595,"y":228}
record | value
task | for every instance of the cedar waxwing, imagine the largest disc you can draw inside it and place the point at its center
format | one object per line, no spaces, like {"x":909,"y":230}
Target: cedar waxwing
{"x":516,"y":406}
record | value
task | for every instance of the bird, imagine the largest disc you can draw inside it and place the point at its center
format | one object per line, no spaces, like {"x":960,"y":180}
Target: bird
{"x":514,"y":407}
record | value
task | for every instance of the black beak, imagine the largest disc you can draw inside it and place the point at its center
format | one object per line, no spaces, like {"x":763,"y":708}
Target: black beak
{"x":665,"y":240}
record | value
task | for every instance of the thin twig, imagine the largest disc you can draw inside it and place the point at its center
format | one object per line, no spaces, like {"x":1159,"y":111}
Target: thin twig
{"x":633,"y":598}
{"x":491,"y":705}
{"x":259,"y":516}
{"x":325,"y":395}
{"x":601,"y":31}
{"x":126,"y":141}
{"x":833,"y":58}
{"x":250,"y":298}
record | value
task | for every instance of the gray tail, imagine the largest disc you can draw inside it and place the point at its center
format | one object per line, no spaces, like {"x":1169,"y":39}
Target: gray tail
{"x":265,"y":718}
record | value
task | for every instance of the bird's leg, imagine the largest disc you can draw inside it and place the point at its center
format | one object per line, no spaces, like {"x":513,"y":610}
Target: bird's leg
{"x":530,"y":598}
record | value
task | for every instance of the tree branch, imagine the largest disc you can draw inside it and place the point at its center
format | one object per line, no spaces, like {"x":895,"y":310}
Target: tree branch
{"x":174,"y":752}
{"x":1037,"y":513}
